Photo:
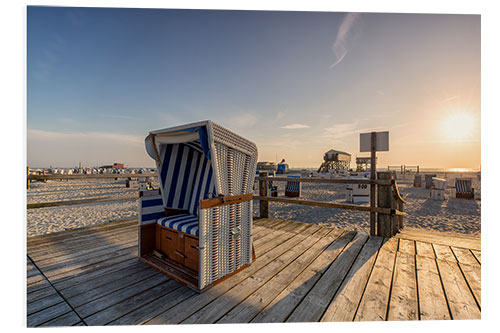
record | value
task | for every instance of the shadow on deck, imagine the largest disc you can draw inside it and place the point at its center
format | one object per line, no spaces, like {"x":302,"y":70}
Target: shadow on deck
{"x":303,"y":273}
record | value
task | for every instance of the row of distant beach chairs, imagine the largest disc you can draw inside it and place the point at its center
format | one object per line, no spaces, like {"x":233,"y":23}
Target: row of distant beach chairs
{"x":292,"y":188}
{"x":463,"y":186}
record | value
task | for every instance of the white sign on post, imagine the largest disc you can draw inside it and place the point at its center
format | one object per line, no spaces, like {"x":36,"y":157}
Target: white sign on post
{"x":382,"y":141}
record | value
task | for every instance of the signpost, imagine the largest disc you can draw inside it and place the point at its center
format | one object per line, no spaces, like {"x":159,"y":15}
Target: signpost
{"x":373,"y":142}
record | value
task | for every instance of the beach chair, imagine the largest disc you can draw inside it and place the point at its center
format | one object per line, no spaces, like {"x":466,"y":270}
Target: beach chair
{"x":428,"y":180}
{"x":417,"y":182}
{"x":293,"y":188}
{"x":197,"y":228}
{"x":463,"y":188}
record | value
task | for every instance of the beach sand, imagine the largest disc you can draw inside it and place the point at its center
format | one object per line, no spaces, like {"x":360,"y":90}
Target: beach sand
{"x":451,"y":215}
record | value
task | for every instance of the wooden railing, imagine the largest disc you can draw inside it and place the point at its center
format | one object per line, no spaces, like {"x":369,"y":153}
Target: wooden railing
{"x":388,"y":203}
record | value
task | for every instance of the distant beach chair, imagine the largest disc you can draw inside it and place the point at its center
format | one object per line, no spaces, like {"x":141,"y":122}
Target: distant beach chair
{"x":463,"y":188}
{"x":197,"y":228}
{"x":428,"y":180}
{"x":293,"y":188}
{"x":417,"y":182}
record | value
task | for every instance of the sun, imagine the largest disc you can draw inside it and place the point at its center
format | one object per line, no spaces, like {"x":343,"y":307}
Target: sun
{"x":459,"y":126}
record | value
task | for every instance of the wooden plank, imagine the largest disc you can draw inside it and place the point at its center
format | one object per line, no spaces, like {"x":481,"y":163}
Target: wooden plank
{"x":47,"y":314}
{"x":460,"y":300}
{"x":90,"y":176}
{"x":253,"y":304}
{"x":280,"y":308}
{"x":440,"y":238}
{"x":424,"y":249}
{"x":79,"y":201}
{"x":226,"y":200}
{"x":43,"y":303}
{"x":407,"y":246}
{"x":68,"y":319}
{"x":326,"y":180}
{"x":113,"y":265}
{"x":136,"y":301}
{"x":219,"y":307}
{"x":444,"y":252}
{"x":157,"y":306}
{"x":403,"y":304}
{"x":374,"y":303}
{"x":99,"y":304}
{"x":316,"y":301}
{"x":193,"y":304}
{"x":464,"y":256}
{"x":431,"y":298}
{"x":345,"y":303}
{"x":477,"y":254}
{"x":32,"y":296}
{"x":107,"y":289}
{"x":324,"y":204}
{"x":472,"y":274}
{"x":109,"y":280}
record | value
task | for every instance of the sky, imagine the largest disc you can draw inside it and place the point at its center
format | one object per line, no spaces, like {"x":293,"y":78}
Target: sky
{"x":296,"y":83}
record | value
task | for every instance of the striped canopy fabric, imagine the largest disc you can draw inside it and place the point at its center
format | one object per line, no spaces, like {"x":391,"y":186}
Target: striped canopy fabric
{"x":463,"y":185}
{"x":186,"y":176}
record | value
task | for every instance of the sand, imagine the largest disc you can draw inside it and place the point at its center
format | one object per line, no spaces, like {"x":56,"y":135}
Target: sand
{"x":451,"y":215}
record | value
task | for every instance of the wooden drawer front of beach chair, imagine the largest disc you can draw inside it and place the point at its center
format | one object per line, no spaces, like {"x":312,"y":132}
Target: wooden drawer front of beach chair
{"x":172,"y":245}
{"x":191,"y":252}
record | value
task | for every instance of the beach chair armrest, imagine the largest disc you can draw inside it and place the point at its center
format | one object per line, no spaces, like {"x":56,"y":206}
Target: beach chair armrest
{"x":225,"y":200}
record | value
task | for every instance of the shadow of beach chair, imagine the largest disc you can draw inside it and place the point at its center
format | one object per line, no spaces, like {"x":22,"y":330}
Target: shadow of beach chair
{"x":463,"y":188}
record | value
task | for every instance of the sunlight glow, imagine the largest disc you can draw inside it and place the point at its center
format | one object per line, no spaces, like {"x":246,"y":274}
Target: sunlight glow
{"x":459,"y":126}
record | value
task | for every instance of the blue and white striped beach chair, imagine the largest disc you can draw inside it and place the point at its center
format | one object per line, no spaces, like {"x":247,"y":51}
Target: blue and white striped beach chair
{"x":463,"y":188}
{"x":293,"y":188}
{"x":201,"y":217}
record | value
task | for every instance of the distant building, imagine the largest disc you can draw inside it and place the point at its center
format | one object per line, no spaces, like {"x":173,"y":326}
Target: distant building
{"x":114,"y":166}
{"x":335,"y":160}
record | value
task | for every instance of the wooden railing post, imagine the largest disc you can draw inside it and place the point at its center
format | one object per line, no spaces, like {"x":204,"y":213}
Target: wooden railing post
{"x":384,"y":200}
{"x":28,"y":177}
{"x":263,"y":192}
{"x":373,"y":175}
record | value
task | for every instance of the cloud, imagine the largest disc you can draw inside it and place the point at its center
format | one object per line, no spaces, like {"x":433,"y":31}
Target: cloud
{"x":295,"y":126}
{"x":449,"y":99}
{"x":339,"y":47}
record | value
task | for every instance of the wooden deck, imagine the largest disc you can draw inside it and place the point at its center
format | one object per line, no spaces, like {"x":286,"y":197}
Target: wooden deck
{"x":303,"y":273}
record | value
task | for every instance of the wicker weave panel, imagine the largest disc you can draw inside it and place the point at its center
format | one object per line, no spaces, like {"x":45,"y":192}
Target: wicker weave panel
{"x":225,"y":241}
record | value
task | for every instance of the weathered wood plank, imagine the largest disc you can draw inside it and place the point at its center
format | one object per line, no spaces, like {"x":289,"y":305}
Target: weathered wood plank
{"x":477,"y":254}
{"x":32,"y":296}
{"x":193,"y":304}
{"x":431,"y":298}
{"x":444,"y":253}
{"x":460,"y":300}
{"x":136,"y":301}
{"x":407,"y":246}
{"x":107,"y":289}
{"x":464,"y":256}
{"x":68,"y":319}
{"x":424,"y":249}
{"x":374,"y":303}
{"x":441,"y":238}
{"x":344,"y":304}
{"x":157,"y":306}
{"x":43,"y":303}
{"x":316,"y":301}
{"x":105,"y":279}
{"x":472,"y":274}
{"x":253,"y":304}
{"x":403,"y":304}
{"x":98,"y":304}
{"x":279,"y":308}
{"x":47,"y":314}
{"x":219,"y":307}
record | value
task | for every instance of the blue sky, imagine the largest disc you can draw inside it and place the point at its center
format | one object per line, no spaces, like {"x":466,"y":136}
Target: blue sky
{"x":296,"y":83}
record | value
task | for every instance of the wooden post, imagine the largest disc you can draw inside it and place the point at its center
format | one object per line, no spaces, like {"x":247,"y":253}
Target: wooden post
{"x":417,"y":169}
{"x":28,"y":177}
{"x":263,"y":191}
{"x":384,"y":200}
{"x":373,"y":174}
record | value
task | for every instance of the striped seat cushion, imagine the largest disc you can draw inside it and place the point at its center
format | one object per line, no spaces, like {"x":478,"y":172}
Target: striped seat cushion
{"x":463,"y":185}
{"x":184,"y":222}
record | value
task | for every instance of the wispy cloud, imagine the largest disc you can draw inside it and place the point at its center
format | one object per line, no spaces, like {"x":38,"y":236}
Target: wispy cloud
{"x":295,"y":126}
{"x":340,"y":45}
{"x":452,"y":98}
